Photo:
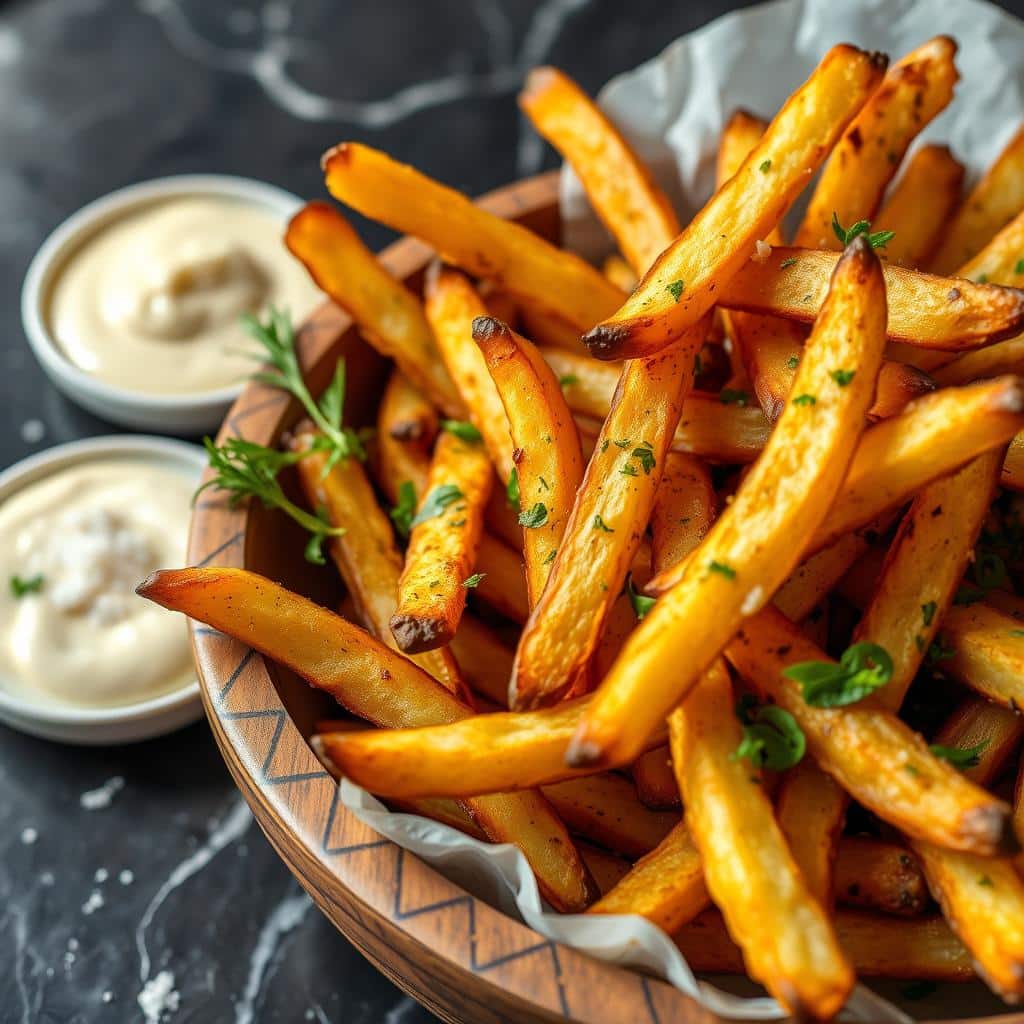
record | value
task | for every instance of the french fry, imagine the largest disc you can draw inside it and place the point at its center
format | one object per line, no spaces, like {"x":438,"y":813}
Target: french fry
{"x":741,"y":134}
{"x":619,"y":272}
{"x":547,"y":453}
{"x":1012,"y":476}
{"x":878,"y":875}
{"x":997,"y":197}
{"x":543,"y":327}
{"x":687,"y":278}
{"x":605,"y":809}
{"x":999,"y":260}
{"x":443,"y":546}
{"x":365,"y":554}
{"x":452,"y":304}
{"x":374,"y":682}
{"x":815,"y":578}
{"x":621,"y":190}
{"x":750,"y":550}
{"x":867,"y":750}
{"x":502,"y":519}
{"x":932,"y":312}
{"x":685,"y":506}
{"x":607,"y":869}
{"x":503,"y":586}
{"x":484,"y":659}
{"x":920,"y":204}
{"x":977,"y":723}
{"x":608,"y":519}
{"x":787,"y":941}
{"x":404,"y":435}
{"x":991,"y":361}
{"x":851,"y":186}
{"x":666,"y":885}
{"x":878,"y":946}
{"x":466,"y":235}
{"x":655,"y":779}
{"x":388,"y":314}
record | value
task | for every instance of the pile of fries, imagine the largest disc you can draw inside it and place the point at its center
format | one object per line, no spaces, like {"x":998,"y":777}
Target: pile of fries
{"x":692,"y":576}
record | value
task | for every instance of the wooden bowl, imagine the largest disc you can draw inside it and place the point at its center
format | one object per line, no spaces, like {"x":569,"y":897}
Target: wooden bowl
{"x":462,"y":959}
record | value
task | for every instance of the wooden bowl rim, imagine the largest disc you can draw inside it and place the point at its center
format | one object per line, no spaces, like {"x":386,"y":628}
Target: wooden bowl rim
{"x":297,"y":805}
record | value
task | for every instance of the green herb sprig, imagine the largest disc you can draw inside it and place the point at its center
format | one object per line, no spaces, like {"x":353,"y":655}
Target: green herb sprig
{"x":877,"y":239}
{"x":771,"y":737}
{"x":862,"y":669}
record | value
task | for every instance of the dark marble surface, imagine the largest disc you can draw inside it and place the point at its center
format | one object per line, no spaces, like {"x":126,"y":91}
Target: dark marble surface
{"x":95,"y":94}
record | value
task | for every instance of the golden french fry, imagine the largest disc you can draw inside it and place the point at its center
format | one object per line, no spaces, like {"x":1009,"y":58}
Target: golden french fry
{"x":1000,"y":260}
{"x":484,"y":659}
{"x":750,"y":550}
{"x":1002,"y":357}
{"x":985,"y":651}
{"x":547,"y":454}
{"x":605,"y":809}
{"x":666,"y":885}
{"x":607,"y":869}
{"x":916,"y":89}
{"x":503,"y":586}
{"x":452,"y":304}
{"x":920,"y":204}
{"x":404,"y":434}
{"x":998,"y":197}
{"x":365,"y":554}
{"x":607,"y":522}
{"x":688,"y":277}
{"x":877,"y":759}
{"x":621,"y":189}
{"x":685,"y":506}
{"x":994,"y":730}
{"x":1012,"y":476}
{"x":816,"y":577}
{"x":619,"y":272}
{"x":742,"y":132}
{"x":388,"y":314}
{"x":543,"y":327}
{"x":787,"y":941}
{"x":946,"y":313}
{"x":878,"y":946}
{"x":374,"y":682}
{"x":655,"y":779}
{"x":879,"y":875}
{"x":463,"y":233}
{"x":443,"y":545}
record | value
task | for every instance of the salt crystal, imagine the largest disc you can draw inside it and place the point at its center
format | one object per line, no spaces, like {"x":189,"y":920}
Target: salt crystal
{"x":33,"y":431}
{"x":762,"y":250}
{"x":101,"y":875}
{"x":158,"y":997}
{"x":72,"y":943}
{"x":107,"y":997}
{"x":93,"y":903}
{"x":102,"y":796}
{"x":46,"y":878}
{"x":753,"y":601}
{"x":29,"y":835}
{"x":126,"y":877}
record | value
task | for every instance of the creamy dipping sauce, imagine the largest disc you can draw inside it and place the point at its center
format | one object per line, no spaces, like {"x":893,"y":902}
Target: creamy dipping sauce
{"x":77,"y":543}
{"x":152,"y":300}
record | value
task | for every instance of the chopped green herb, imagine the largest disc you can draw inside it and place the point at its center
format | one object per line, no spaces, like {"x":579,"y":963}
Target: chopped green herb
{"x":402,"y":513}
{"x":730,"y":396}
{"x":771,"y":737}
{"x":543,"y":484}
{"x":960,"y":757}
{"x":862,"y":669}
{"x":805,"y":400}
{"x":1019,"y":267}
{"x":646,"y":459}
{"x":625,"y":443}
{"x":842,"y":377}
{"x":436,"y":502}
{"x":986,"y":881}
{"x":722,"y":569}
{"x":640,"y":602}
{"x":461,"y":429}
{"x":604,"y":445}
{"x":629,"y":470}
{"x":551,"y":556}
{"x":456,"y":523}
{"x":600,"y":524}
{"x":878,"y":240}
{"x":534,"y":517}
{"x":512,"y":488}
{"x":1016,"y":632}
{"x":928,"y":612}
{"x":982,"y":279}
{"x":675,"y":289}
{"x":475,"y":580}
{"x":765,"y":166}
{"x":20,"y":588}
{"x":793,"y":362}
{"x":787,"y":262}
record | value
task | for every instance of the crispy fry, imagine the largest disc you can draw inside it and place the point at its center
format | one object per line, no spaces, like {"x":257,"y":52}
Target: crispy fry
{"x":605,"y":809}
{"x":687,"y":278}
{"x":867,"y":750}
{"x":815,"y":578}
{"x":484,"y":659}
{"x":607,"y":522}
{"x":452,"y":304}
{"x":919,"y":205}
{"x":480,"y":243}
{"x":607,"y":869}
{"x":742,"y":132}
{"x":619,"y":272}
{"x":1002,"y":357}
{"x":685,"y":506}
{"x":389,"y":315}
{"x":750,"y":550}
{"x":655,"y":779}
{"x":366,"y":677}
{"x":879,"y":875}
{"x":1012,"y":476}
{"x":365,"y":554}
{"x":999,"y":260}
{"x":547,"y":453}
{"x":879,"y":947}
{"x":666,"y":886}
{"x":503,"y":586}
{"x":932,"y":312}
{"x":502,"y":519}
{"x":621,"y":189}
{"x":787,"y":941}
{"x":915,"y":90}
{"x":403,"y":437}
{"x":997,"y":197}
{"x":443,"y":546}
{"x":997,"y":731}
{"x":543,"y":327}
{"x":986,"y":652}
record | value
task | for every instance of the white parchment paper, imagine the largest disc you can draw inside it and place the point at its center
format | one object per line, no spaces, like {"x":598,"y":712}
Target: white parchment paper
{"x":673,"y":109}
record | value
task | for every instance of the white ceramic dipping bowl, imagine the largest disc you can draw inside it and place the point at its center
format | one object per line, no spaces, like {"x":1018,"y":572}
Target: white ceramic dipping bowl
{"x":192,"y":413}
{"x":127,"y":722}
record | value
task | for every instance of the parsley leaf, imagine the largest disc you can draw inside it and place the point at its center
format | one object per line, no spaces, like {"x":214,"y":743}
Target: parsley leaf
{"x":878,"y":240}
{"x":629,"y":470}
{"x":805,"y":400}
{"x":725,"y":570}
{"x":771,"y":737}
{"x":646,"y":459}
{"x":788,"y":262}
{"x":641,"y":603}
{"x":534,"y":517}
{"x":567,"y":380}
{"x":1019,"y":267}
{"x":436,"y":502}
{"x":862,"y":669}
{"x":512,"y":488}
{"x":600,"y":524}
{"x":765,"y":166}
{"x":551,"y":557}
{"x":402,"y":513}
{"x":675,"y":289}
{"x":793,"y":362}
{"x":461,"y":429}
{"x":960,"y":757}
{"x":842,"y":377}
{"x":21,"y":587}
{"x":475,"y":580}
{"x":928,"y":612}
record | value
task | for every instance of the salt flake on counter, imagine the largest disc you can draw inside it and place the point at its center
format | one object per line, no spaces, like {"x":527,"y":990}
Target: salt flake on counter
{"x":93,"y":903}
{"x":101,"y":875}
{"x":126,"y":877}
{"x":762,"y":250}
{"x":29,"y":835}
{"x":33,"y":431}
{"x":102,"y":796}
{"x":159,"y":997}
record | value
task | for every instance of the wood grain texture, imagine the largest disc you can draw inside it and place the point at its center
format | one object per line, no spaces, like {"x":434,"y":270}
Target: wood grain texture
{"x":462,"y":959}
